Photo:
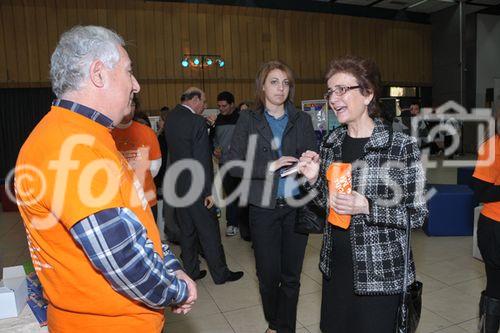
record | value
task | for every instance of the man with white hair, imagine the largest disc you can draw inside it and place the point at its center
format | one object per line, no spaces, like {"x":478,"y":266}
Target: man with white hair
{"x":91,"y":233}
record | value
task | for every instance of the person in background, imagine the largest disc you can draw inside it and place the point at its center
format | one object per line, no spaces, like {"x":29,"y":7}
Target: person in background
{"x":163,"y":148}
{"x":486,"y":185}
{"x":221,"y":134}
{"x":170,"y":227}
{"x":92,"y":236}
{"x":245,"y":105}
{"x":283,"y":133}
{"x":363,"y":263}
{"x":140,"y":116}
{"x":140,"y":147}
{"x":187,"y":142}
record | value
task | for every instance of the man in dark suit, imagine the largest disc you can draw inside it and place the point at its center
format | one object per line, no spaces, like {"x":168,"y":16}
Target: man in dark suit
{"x":188,"y":144}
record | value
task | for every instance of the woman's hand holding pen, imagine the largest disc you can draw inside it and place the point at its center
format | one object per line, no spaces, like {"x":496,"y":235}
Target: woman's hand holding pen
{"x":309,"y":166}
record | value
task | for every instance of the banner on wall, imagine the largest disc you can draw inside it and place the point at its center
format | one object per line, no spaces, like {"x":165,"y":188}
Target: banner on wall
{"x":154,"y":120}
{"x":318,"y":110}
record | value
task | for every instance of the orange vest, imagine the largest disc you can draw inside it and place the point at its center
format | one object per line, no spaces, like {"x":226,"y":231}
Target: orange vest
{"x":68,"y":169}
{"x":490,"y":173}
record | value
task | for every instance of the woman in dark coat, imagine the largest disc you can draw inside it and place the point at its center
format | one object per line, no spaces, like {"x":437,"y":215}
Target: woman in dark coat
{"x":363,"y":265}
{"x":273,"y":136}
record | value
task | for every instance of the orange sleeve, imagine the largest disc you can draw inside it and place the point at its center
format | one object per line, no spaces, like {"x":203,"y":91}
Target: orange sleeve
{"x":487,"y":173}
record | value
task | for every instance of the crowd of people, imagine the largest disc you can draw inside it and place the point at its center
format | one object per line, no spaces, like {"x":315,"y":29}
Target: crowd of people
{"x":93,"y":235}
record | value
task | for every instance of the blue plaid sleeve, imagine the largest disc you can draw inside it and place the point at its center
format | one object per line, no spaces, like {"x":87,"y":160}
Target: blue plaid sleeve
{"x":117,"y":245}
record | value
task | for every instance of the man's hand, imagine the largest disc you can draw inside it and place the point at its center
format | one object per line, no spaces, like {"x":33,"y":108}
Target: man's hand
{"x":192,"y":294}
{"x":211,"y":119}
{"x":309,"y":166}
{"x":209,"y":202}
{"x":414,"y":109}
{"x":218,"y":152}
{"x":282,"y":162}
{"x":349,"y":204}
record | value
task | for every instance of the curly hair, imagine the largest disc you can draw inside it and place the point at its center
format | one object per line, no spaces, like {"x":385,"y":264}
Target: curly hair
{"x":75,"y":52}
{"x":367,"y":75}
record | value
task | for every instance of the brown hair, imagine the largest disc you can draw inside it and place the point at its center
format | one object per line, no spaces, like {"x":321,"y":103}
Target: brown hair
{"x":164,"y":113}
{"x":262,"y":74}
{"x":367,"y":75}
{"x":249,"y":104}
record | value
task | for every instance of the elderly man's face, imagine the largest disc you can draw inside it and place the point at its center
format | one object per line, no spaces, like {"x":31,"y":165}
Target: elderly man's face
{"x":199,"y":104}
{"x":123,"y":86}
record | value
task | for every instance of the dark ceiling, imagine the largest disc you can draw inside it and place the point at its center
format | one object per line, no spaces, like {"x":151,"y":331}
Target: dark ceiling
{"x":418,"y":11}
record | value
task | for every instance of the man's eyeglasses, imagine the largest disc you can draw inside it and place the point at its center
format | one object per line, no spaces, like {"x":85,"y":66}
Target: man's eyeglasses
{"x":338,"y":91}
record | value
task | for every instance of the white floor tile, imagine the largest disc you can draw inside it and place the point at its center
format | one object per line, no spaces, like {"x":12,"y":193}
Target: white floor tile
{"x":313,"y":328}
{"x":429,"y":284}
{"x":208,"y":324}
{"x":248,"y":320}
{"x":452,"y":329}
{"x":470,"y":326}
{"x":431,"y":322}
{"x":472,"y":287}
{"x":236,"y":295}
{"x":452,"y":304}
{"x":309,"y":309}
{"x":452,"y":271}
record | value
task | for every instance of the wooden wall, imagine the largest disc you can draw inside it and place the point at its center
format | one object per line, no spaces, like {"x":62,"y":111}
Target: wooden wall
{"x":159,"y":33}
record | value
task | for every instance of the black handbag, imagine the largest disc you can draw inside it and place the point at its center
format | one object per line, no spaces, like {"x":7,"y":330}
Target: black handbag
{"x":410,"y":306}
{"x":310,"y":219}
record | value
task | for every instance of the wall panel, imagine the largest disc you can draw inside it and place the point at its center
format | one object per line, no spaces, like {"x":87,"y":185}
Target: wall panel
{"x":159,"y":33}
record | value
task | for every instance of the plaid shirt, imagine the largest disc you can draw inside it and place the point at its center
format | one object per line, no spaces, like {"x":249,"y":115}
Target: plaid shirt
{"x":117,"y":245}
{"x":378,"y":239}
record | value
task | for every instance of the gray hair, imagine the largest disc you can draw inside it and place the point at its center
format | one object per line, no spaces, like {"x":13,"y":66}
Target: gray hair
{"x":75,"y":52}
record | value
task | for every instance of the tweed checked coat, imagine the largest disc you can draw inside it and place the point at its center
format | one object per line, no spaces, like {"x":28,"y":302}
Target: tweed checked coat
{"x":391,"y":176}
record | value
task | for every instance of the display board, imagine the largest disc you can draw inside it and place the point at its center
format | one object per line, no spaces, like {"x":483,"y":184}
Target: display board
{"x":318,"y":110}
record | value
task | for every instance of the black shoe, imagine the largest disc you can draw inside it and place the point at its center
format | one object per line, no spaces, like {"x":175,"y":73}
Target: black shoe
{"x":490,"y":319}
{"x":202,"y":274}
{"x":233,"y":276}
{"x":246,"y":238}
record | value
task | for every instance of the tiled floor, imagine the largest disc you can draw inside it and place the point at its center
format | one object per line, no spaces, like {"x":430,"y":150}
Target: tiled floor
{"x":452,"y":284}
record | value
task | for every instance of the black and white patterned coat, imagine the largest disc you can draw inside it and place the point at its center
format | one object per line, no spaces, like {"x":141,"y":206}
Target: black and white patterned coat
{"x":391,"y":170}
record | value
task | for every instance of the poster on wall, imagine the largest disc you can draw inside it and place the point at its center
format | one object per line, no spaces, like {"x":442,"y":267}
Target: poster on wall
{"x":154,"y":120}
{"x":318,"y":110}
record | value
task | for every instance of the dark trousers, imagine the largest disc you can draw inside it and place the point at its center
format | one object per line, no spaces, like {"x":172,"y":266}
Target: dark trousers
{"x":236,"y":214}
{"x":244,"y":224}
{"x":488,"y":241}
{"x":170,"y":226}
{"x":199,"y":227}
{"x":279,"y":254}
{"x":230,"y":183}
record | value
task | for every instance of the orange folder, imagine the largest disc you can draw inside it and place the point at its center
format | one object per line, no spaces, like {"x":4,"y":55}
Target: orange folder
{"x":339,"y":180}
